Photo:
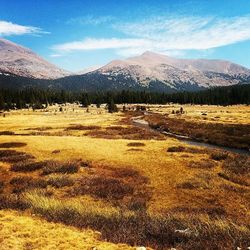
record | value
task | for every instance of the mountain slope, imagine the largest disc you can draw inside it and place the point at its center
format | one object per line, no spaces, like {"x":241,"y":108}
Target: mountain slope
{"x":175,"y":73}
{"x":15,"y":59}
{"x":20,"y":68}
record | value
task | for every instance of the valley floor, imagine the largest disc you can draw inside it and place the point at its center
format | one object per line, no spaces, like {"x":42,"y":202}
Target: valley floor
{"x":135,"y":186}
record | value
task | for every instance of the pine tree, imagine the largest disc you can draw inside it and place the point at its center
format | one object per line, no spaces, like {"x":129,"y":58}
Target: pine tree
{"x":112,"y":106}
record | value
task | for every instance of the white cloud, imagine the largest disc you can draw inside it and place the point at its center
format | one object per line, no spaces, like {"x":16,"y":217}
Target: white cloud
{"x":9,"y":28}
{"x":90,"y":20}
{"x":55,"y":55}
{"x":94,"y":44}
{"x":169,"y":35}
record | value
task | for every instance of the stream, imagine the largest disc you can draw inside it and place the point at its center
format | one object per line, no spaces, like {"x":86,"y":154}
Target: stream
{"x":138,"y":121}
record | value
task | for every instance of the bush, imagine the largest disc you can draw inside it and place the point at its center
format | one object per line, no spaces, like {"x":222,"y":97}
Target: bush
{"x":218,"y":156}
{"x":83,"y":127}
{"x":176,"y":149}
{"x":12,"y":201}
{"x":201,"y":164}
{"x":6,"y":133}
{"x":135,"y":144}
{"x":12,"y":144}
{"x":12,"y":156}
{"x":28,"y":166}
{"x":69,"y":167}
{"x":104,"y":187}
{"x":238,"y":164}
{"x":192,"y":184}
{"x":23,"y":183}
{"x":60,"y":181}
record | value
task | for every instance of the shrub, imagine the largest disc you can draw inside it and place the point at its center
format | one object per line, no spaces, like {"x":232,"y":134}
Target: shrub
{"x":104,"y":187}
{"x":83,"y":127}
{"x":28,"y":166}
{"x":6,"y":133}
{"x":191,"y":184}
{"x":59,"y":181}
{"x":1,"y":186}
{"x":201,"y":164}
{"x":23,"y":183}
{"x":12,"y":144}
{"x":176,"y":149}
{"x":12,"y":201}
{"x":12,"y":156}
{"x":218,"y":156}
{"x":135,"y":144}
{"x":238,"y":164}
{"x":69,"y":167}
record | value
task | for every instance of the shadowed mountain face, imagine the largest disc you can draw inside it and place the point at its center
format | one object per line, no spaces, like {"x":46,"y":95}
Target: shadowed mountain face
{"x":150,"y":71}
{"x":21,"y":61}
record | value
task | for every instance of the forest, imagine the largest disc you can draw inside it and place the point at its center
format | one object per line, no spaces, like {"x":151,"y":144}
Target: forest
{"x":37,"y":98}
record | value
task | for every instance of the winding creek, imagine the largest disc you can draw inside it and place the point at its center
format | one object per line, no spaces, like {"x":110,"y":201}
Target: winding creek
{"x":138,"y":121}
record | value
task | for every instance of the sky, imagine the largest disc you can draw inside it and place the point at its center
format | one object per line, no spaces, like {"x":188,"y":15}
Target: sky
{"x":80,"y":34}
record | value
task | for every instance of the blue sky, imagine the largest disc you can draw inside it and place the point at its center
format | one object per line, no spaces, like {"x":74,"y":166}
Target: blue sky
{"x":80,"y":34}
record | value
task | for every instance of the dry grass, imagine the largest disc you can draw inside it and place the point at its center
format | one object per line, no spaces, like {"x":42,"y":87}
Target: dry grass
{"x":19,"y":231}
{"x":171,"y":230}
{"x":158,"y":192}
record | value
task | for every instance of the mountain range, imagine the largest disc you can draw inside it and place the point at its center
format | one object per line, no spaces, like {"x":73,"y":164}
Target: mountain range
{"x":20,"y":68}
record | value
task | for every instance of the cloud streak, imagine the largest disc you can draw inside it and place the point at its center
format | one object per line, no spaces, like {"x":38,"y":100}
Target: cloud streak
{"x":170,"y":35}
{"x":90,"y":20}
{"x":9,"y":29}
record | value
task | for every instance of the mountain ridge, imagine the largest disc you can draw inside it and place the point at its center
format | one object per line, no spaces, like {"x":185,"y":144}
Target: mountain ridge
{"x":18,"y":60}
{"x":150,"y":71}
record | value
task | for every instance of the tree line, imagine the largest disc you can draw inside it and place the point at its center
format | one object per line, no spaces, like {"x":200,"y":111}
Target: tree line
{"x":38,"y":98}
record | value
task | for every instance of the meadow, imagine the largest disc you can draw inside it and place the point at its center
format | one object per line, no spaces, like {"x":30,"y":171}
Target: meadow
{"x":89,"y":179}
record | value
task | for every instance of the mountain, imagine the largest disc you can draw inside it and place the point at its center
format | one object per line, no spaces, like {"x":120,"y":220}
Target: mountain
{"x":155,"y":72}
{"x":20,"y":68}
{"x":151,"y":68}
{"x":87,"y":70}
{"x":20,"y":61}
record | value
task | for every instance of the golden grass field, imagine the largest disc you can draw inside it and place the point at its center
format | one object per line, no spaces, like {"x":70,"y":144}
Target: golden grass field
{"x":188,"y":188}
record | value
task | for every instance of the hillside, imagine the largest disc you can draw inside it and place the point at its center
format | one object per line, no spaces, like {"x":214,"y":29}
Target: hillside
{"x":15,"y":59}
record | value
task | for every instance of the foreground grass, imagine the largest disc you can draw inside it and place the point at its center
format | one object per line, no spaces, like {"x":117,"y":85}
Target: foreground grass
{"x":24,"y":232}
{"x":139,"y":190}
{"x":135,"y":228}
